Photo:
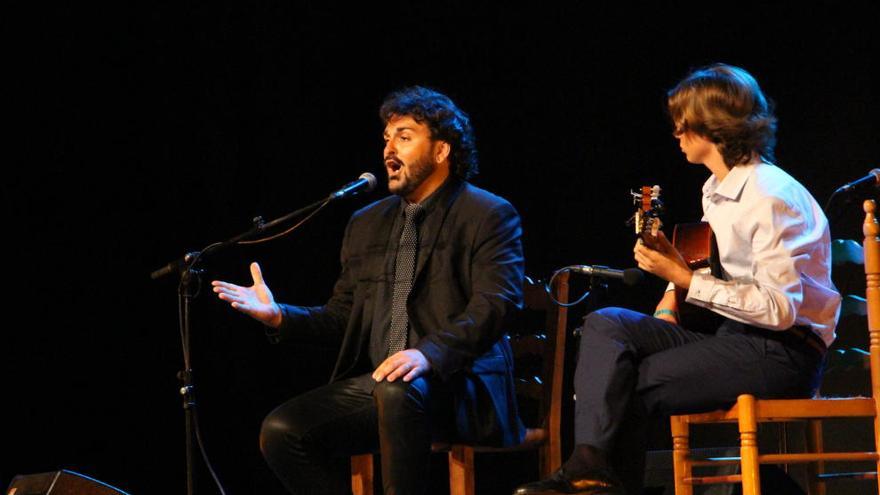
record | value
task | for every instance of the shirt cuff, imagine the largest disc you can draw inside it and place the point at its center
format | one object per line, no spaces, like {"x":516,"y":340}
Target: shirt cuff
{"x":701,"y":288}
{"x":289,"y":314}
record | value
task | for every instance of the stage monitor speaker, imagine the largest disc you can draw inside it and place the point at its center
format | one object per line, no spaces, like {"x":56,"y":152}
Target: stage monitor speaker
{"x":62,"y":482}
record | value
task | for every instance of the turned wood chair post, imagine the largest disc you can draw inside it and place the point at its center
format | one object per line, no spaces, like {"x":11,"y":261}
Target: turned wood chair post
{"x":871,"y":246}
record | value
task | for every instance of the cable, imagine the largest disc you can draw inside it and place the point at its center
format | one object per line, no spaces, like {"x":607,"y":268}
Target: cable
{"x":282,"y":234}
{"x":204,"y":452}
{"x":831,"y":199}
{"x":550,"y":291}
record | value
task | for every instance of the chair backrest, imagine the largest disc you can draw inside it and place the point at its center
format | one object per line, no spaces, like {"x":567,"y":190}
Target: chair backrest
{"x":871,"y":246}
{"x":539,"y":352}
{"x":848,"y":258}
{"x":848,"y":357}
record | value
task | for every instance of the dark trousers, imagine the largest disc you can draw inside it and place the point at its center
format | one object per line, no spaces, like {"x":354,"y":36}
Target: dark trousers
{"x":308,"y":440}
{"x":632,"y":366}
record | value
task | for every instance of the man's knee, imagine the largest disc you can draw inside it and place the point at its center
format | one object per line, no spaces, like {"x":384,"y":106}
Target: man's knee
{"x":399,"y":397}
{"x":282,"y":431}
{"x":607,"y":323}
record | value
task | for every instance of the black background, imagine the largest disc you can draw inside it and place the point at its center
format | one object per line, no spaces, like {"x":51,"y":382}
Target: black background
{"x":142,"y":131}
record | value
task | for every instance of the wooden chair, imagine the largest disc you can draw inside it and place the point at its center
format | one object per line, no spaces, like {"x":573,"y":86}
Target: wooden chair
{"x":546,"y":346}
{"x":748,"y":412}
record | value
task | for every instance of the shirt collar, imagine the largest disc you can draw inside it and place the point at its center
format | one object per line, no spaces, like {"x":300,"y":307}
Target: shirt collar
{"x":431,"y":201}
{"x":732,"y":185}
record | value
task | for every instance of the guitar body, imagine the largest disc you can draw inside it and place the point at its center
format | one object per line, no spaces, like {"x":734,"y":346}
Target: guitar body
{"x":696,"y":243}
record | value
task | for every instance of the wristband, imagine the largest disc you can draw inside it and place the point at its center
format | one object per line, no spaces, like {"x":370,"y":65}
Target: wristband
{"x":669,"y":312}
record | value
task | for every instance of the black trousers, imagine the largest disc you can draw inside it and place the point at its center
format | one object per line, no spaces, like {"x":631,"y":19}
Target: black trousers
{"x":633,"y":366}
{"x":308,"y":440}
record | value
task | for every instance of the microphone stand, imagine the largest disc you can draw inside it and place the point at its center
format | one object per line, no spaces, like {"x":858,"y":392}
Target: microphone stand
{"x":592,"y":298}
{"x":188,"y":289}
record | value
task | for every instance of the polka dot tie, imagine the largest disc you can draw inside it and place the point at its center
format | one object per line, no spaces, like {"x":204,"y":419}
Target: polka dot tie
{"x":403,"y":278}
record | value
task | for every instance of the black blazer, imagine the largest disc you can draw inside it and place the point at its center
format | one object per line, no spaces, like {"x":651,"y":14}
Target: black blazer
{"x":467,"y":286}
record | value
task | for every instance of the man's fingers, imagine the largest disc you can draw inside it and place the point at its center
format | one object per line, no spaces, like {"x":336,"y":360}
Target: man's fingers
{"x":225,"y":285}
{"x":380,"y":372}
{"x":413,"y":374}
{"x":224,"y":290}
{"x":387,"y":367}
{"x":394,"y":374}
{"x":243,"y":307}
{"x":231,"y":298}
{"x":399,"y":371}
{"x":663,"y":243}
{"x":257,"y":274}
{"x":408,"y":364}
{"x":648,"y":254}
{"x":645,"y":249}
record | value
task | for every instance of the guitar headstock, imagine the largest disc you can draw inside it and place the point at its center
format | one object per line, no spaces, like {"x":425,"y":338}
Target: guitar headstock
{"x":646,"y":219}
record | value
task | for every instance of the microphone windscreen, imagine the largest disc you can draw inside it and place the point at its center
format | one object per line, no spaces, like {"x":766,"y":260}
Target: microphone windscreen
{"x":371,"y":180}
{"x":632,"y":276}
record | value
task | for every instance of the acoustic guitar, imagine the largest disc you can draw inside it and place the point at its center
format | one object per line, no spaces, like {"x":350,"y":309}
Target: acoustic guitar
{"x":694,"y":241}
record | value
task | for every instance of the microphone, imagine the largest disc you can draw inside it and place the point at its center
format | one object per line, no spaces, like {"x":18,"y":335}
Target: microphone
{"x":866,"y":182}
{"x":174,"y":267}
{"x":630,"y":276}
{"x":365,"y":183}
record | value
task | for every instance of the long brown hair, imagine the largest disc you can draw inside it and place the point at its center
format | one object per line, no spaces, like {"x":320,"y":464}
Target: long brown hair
{"x":725,"y":105}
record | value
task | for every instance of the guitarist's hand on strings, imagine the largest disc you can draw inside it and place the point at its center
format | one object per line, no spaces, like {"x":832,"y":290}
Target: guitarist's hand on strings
{"x":657,"y":255}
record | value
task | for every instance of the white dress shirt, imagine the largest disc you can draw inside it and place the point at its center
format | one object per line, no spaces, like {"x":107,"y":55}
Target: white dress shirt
{"x":775,"y":251}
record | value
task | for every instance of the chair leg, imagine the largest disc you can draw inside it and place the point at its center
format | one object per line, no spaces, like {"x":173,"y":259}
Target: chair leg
{"x":681,"y":462}
{"x":550,"y":456}
{"x":748,"y":445}
{"x":362,"y":474}
{"x":461,"y":470}
{"x":815,"y":444}
{"x":875,"y":365}
{"x":544,"y":461}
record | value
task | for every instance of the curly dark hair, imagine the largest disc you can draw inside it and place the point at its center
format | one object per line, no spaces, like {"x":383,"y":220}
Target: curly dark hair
{"x":446,"y":121}
{"x":725,"y":105}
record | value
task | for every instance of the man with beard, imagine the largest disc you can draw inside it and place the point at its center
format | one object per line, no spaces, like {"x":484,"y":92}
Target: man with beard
{"x":430,"y":279}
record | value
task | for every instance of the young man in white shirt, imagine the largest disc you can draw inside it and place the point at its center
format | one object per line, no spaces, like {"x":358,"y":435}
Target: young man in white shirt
{"x":774,"y":292}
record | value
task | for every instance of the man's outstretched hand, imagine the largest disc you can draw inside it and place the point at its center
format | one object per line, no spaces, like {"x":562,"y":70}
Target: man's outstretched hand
{"x":255,"y":301}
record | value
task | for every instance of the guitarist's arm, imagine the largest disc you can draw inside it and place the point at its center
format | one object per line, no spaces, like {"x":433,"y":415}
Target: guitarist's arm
{"x":657,"y":255}
{"x":783,"y":244}
{"x":667,"y":308}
